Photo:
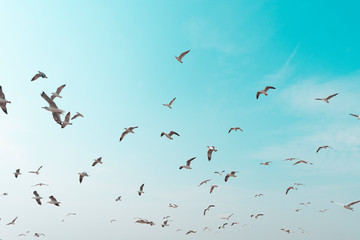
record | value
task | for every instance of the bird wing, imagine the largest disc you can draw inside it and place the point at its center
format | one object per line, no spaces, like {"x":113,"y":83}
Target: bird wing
{"x":268,"y":87}
{"x":75,"y":116}
{"x":50,"y":102}
{"x":81,"y":177}
{"x":354,"y":115}
{"x":171,"y":102}
{"x":319,"y":149}
{"x":67,"y":117}
{"x":1,"y":93}
{"x":58,"y":90}
{"x":142,"y":187}
{"x":52,"y":198}
{"x":209,"y":154}
{"x":36,"y":76}
{"x":36,"y":194}
{"x":350,"y":204}
{"x":57,"y":117}
{"x":39,"y":168}
{"x":3,"y":107}
{"x":227,"y":177}
{"x":287,"y":190}
{"x":162,"y":134}
{"x":94,"y":163}
{"x":123,"y":135}
{"x":183,"y":54}
{"x":258,"y":94}
{"x":331,"y":96}
{"x":38,"y":201}
{"x":189,"y":161}
{"x":319,"y":99}
{"x":172,"y":132}
{"x":231,"y":129}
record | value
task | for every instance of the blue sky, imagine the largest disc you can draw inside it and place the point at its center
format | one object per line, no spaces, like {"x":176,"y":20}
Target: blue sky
{"x":117,"y":61}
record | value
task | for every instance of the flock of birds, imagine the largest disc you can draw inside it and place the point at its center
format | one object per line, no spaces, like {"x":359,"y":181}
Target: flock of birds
{"x":57,"y":113}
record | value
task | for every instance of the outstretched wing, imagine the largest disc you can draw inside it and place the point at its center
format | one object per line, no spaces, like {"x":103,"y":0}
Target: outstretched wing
{"x":171,"y":102}
{"x":50,"y":102}
{"x":354,"y":115}
{"x":58,"y":90}
{"x":258,"y":94}
{"x":331,"y":96}
{"x":189,"y":161}
{"x":36,"y":76}
{"x":172,"y":132}
{"x":268,"y":87}
{"x":123,"y":135}
{"x":350,"y":204}
{"x":56,"y":117}
{"x":183,"y":54}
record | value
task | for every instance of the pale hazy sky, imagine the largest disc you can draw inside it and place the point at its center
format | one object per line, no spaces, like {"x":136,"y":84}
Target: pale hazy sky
{"x":117,"y":61}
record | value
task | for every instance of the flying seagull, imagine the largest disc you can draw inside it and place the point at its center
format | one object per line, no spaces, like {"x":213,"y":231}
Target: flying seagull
{"x":285,"y":230}
{"x":57,"y":93}
{"x":169,"y":135}
{"x":212,"y":188}
{"x":66,"y":121}
{"x":141,"y":189}
{"x":127,"y":130}
{"x":235,"y":129}
{"x":209,"y":153}
{"x":259,"y":195}
{"x":327,"y":98}
{"x":40,"y":74}
{"x":220,"y":172}
{"x":305,"y":204}
{"x":82,"y":175}
{"x":53,"y":108}
{"x":265,"y":163}
{"x":54,"y":201}
{"x":231,"y":174}
{"x":77,"y":115}
{"x":118,"y":199}
{"x":258,"y":215}
{"x":205,"y":181}
{"x":40,"y":184}
{"x":263,"y":91}
{"x":191,"y":231}
{"x":227,"y":218}
{"x":187,"y":166}
{"x":303,"y":161}
{"x":289,"y":188}
{"x":208,"y":208}
{"x":324,"y":147}
{"x":347,"y":206}
{"x":173,"y":205}
{"x":290,"y":159}
{"x":12,"y":222}
{"x":37,"y":197}
{"x":170,"y":103}
{"x":38,"y":234}
{"x":357,"y":116}
{"x":165,"y":224}
{"x":323,"y":211}
{"x":181,"y":56}
{"x":3,"y":101}
{"x":97,"y":161}
{"x":37,"y":171}
{"x":17,"y":173}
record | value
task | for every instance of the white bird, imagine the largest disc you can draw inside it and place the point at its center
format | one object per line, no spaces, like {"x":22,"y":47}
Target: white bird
{"x":205,"y":181}
{"x":54,"y":201}
{"x":96,"y":161}
{"x":187,"y":166}
{"x":141,"y":189}
{"x":220,"y":172}
{"x":231,"y":174}
{"x":77,"y":115}
{"x":208,"y":208}
{"x":357,"y":116}
{"x":265,"y":163}
{"x":212,"y":188}
{"x":347,"y":206}
{"x":40,"y":184}
{"x":227,"y":218}
{"x":66,"y":121}
{"x":285,"y":230}
{"x":37,"y":197}
{"x":263,"y":91}
{"x":12,"y":222}
{"x":82,"y":175}
{"x":235,"y":129}
{"x":303,"y":161}
{"x":209,"y":153}
{"x":327,"y":98}
{"x":169,"y":135}
{"x":57,"y":93}
{"x":181,"y":56}
{"x":324,"y":147}
{"x":127,"y":130}
{"x":173,"y":205}
{"x":53,"y":108}
{"x":37,"y":171}
{"x":170,"y":103}
{"x":3,"y":101}
{"x":17,"y":173}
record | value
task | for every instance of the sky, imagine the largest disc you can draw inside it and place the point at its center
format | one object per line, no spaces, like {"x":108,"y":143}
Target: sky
{"x":117,"y":61}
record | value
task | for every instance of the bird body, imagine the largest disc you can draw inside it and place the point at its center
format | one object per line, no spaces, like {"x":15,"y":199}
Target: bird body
{"x":57,"y":93}
{"x":54,"y":201}
{"x":37,"y":197}
{"x":17,"y":173}
{"x":3,"y":101}
{"x":235,"y":129}
{"x":263,"y":91}
{"x":37,"y":172}
{"x":212,"y":188}
{"x":208,"y":208}
{"x":327,"y":98}
{"x":141,"y":189}
{"x":82,"y":175}
{"x":169,"y":134}
{"x":323,"y":147}
{"x":39,"y":74}
{"x":231,"y":174}
{"x":66,"y":121}
{"x":347,"y":206}
{"x":209,"y":153}
{"x":77,"y":115}
{"x":289,"y":188}
{"x":96,"y":161}
{"x":357,"y":116}
{"x":205,"y":181}
{"x":170,"y":103}
{"x":127,"y":130}
{"x":187,"y":166}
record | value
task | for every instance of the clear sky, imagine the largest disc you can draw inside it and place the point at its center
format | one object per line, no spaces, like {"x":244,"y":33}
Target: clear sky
{"x":117,"y":61}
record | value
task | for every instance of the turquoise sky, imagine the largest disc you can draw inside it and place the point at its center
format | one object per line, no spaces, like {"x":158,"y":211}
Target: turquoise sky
{"x":117,"y":61}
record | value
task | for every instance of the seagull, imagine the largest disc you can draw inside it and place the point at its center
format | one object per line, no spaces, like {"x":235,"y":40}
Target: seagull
{"x":358,"y":117}
{"x":98,"y":160}
{"x":53,"y":108}
{"x":170,"y":103}
{"x":232,"y":174}
{"x":212,"y":188}
{"x":208,"y":208}
{"x":4,"y":194}
{"x":17,"y":173}
{"x":187,"y":166}
{"x":258,"y":215}
{"x":12,"y":222}
{"x":290,"y":159}
{"x":112,"y":220}
{"x":223,"y":226}
{"x":259,"y":195}
{"x":232,"y":224}
{"x":37,"y":197}
{"x":227,"y":218}
{"x":37,"y":171}
{"x":57,"y":93}
{"x":327,"y":98}
{"x":297,"y":210}
{"x":178,"y":230}
{"x":347,"y":206}
{"x":23,"y":234}
{"x":206,"y":228}
{"x":69,"y":214}
{"x":141,"y":189}
{"x":181,"y":56}
{"x":165,"y":224}
{"x":303,"y":161}
{"x":324,"y":147}
{"x":263,"y":91}
{"x":220,"y":172}
{"x":323,"y":211}
{"x":235,"y":129}
{"x":82,"y":175}
{"x":40,"y":184}
{"x":3,"y":101}
{"x":302,"y":230}
{"x":285,"y":230}
{"x":205,"y":181}
{"x":77,"y":115}
{"x":289,"y":188}
{"x":173,"y":205}
{"x":66,"y":121}
{"x":265,"y":163}
{"x":127,"y":130}
{"x":298,"y":184}
{"x":118,"y":199}
{"x":305,"y":204}
{"x":40,"y":74}
{"x":38,"y":234}
{"x":166,"y":217}
{"x":169,"y":135}
{"x":191,"y":231}
{"x":211,"y":149}
{"x":54,"y":201}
